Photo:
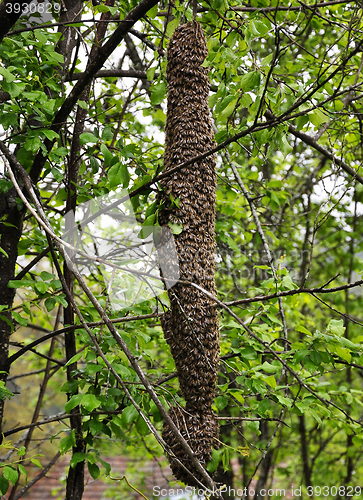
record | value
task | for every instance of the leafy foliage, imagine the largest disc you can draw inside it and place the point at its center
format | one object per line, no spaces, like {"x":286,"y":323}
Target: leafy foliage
{"x":286,"y":101}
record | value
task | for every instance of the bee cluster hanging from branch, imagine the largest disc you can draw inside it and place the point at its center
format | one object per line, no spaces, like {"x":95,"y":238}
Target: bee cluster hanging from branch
{"x":191,"y":324}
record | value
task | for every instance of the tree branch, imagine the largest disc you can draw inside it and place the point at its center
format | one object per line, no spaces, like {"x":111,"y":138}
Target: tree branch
{"x":286,"y":293}
{"x":307,"y":139}
{"x":279,"y":8}
{"x":111,"y":73}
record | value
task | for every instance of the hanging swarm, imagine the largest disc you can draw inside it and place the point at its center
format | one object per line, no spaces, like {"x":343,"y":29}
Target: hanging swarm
{"x":199,"y":430}
{"x":191,"y":324}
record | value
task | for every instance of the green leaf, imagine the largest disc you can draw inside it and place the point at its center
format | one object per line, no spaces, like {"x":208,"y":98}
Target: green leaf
{"x":19,"y":319}
{"x":101,"y":8}
{"x":232,"y":244}
{"x":259,"y":27}
{"x":315,"y":357}
{"x":70,"y":386}
{"x":32,"y":144}
{"x":50,"y":134}
{"x":9,"y":119}
{"x":36,"y":462}
{"x":301,"y":121}
{"x":4,"y":485}
{"x":237,"y":394}
{"x":158,"y":92}
{"x":221,"y":136}
{"x":82,"y":104}
{"x":349,"y":344}
{"x":248,"y":353}
{"x":152,"y":13}
{"x":118,"y":174}
{"x":10,"y":474}
{"x":41,"y":286}
{"x":129,"y":151}
{"x":107,"y":133}
{"x":14,"y":89}
{"x":147,"y":227}
{"x":250,"y":81}
{"x":106,"y":154}
{"x":266,"y":61}
{"x":316,"y":416}
{"x":22,"y":470}
{"x":90,"y":402}
{"x":50,"y":303}
{"x":150,"y":73}
{"x":95,"y":426}
{"x":129,"y":414}
{"x":266,"y":367}
{"x":20,"y":283}
{"x":317,"y":117}
{"x":254,"y":426}
{"x":288,"y":283}
{"x":225,"y":459}
{"x":74,"y":358}
{"x":4,"y":392}
{"x":221,"y":402}
{"x":270,"y":381}
{"x":357,"y":440}
{"x":216,"y":457}
{"x":73,"y":402}
{"x":77,"y":458}
{"x":150,"y":220}
{"x":106,"y":465}
{"x":4,"y":253}
{"x":302,"y":329}
{"x":175,"y":228}
{"x":285,"y":146}
{"x":94,"y":470}
{"x":151,"y":209}
{"x":336,"y":327}
{"x":21,"y":451}
{"x":67,"y":443}
{"x":9,"y":77}
{"x":141,"y":426}
{"x":264,"y":406}
{"x":122,"y":370}
{"x":171,"y":27}
{"x":87,"y":138}
{"x":343,"y":353}
{"x":47,"y":276}
{"x":55,"y":57}
{"x":300,"y":355}
{"x":282,"y":400}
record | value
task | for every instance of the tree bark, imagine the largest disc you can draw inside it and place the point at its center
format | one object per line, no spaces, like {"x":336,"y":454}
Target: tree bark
{"x":71,"y":11}
{"x":265,"y":463}
{"x":304,"y":452}
{"x":10,"y":213}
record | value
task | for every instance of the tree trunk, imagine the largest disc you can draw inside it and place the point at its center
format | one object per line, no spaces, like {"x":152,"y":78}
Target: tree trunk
{"x":9,"y":239}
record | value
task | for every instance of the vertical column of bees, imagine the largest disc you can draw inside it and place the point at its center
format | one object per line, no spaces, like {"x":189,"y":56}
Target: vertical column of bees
{"x":191,"y":324}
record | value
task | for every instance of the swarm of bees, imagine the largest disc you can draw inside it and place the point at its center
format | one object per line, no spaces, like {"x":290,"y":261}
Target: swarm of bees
{"x":191,"y":324}
{"x":198,"y":430}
